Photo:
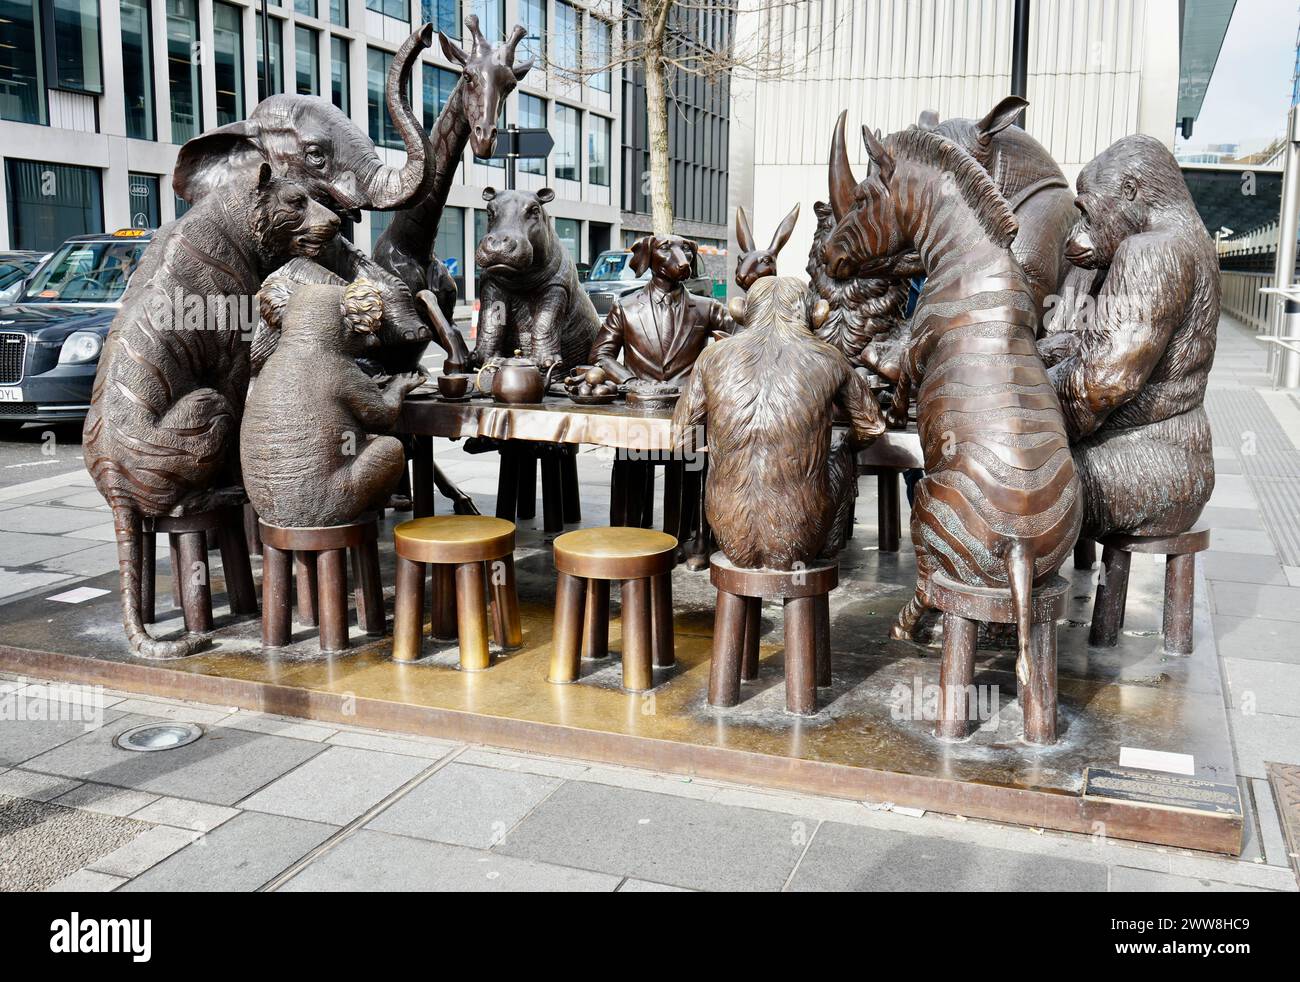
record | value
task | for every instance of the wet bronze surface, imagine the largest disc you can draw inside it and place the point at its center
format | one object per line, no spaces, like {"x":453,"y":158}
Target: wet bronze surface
{"x":861,"y":743}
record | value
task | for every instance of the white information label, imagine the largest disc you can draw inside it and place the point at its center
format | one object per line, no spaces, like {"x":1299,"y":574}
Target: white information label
{"x":1157,"y":760}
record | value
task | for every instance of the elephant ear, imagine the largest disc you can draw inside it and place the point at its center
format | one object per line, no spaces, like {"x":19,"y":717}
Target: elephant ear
{"x":210,"y":159}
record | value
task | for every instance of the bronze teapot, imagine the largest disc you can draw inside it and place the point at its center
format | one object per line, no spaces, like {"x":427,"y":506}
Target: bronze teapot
{"x":516,"y":380}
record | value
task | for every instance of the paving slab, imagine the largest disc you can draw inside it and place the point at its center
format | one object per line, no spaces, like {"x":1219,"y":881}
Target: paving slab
{"x":33,"y":548}
{"x":1272,"y":839}
{"x":145,"y":851}
{"x":1231,"y":518}
{"x":41,"y":843}
{"x":277,"y":726}
{"x":16,"y":583}
{"x":196,"y":816}
{"x":679,"y":841}
{"x":38,"y":787}
{"x":87,"y":881}
{"x":370,"y":860}
{"x":240,"y":855}
{"x":1257,"y":638}
{"x":427,"y":748}
{"x":1249,"y":541}
{"x":1278,"y":603}
{"x":1242,"y":567}
{"x":1263,"y":686}
{"x":31,"y":735}
{"x":1126,"y":880}
{"x":48,"y":520}
{"x":853,"y":858}
{"x":105,"y":800}
{"x":336,"y":786}
{"x":1260,"y":738}
{"x":221,"y":768}
{"x":465,"y":805}
{"x":645,"y":886}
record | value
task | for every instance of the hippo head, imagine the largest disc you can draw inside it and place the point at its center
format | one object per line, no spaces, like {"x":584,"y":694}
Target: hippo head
{"x":519,"y":233}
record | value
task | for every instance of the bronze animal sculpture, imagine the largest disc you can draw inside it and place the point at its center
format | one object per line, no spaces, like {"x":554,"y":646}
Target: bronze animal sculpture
{"x":469,"y":117}
{"x":662,"y":328}
{"x":754,"y":263}
{"x":999,"y":505}
{"x":1133,"y":387}
{"x":165,"y":411}
{"x":530,"y":298}
{"x":308,"y":444}
{"x":777,"y":494}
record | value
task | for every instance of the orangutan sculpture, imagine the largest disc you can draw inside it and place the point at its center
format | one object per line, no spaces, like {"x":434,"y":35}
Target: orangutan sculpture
{"x":310,"y":453}
{"x":161,"y":434}
{"x":999,"y":505}
{"x":777,"y":494}
{"x":1139,"y":347}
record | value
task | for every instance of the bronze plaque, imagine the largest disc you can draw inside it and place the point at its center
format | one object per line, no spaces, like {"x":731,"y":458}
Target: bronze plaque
{"x":1162,"y":790}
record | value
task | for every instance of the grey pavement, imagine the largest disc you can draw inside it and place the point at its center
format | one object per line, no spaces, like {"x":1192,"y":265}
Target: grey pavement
{"x":265,"y":802}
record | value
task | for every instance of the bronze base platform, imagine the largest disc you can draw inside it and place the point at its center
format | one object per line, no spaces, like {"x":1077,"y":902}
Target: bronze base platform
{"x":866,"y":742}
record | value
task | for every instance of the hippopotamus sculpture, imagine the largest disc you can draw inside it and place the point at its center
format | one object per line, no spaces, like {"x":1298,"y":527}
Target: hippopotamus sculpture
{"x":530,"y":298}
{"x":336,"y":468}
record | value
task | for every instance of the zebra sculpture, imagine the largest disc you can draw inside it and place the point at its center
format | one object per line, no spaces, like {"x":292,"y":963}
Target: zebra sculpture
{"x":1000,"y":503}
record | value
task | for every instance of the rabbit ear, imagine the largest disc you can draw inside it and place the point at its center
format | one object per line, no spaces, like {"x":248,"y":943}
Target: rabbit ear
{"x":744,"y":237}
{"x":784,"y":231}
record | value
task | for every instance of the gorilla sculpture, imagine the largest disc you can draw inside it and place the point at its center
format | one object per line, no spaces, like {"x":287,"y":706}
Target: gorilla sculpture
{"x":1138,"y":351}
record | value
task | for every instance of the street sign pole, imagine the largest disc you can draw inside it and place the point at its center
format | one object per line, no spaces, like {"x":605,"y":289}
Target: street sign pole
{"x":512,"y":154}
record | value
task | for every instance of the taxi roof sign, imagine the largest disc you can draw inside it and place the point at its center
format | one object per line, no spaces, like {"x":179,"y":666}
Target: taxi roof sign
{"x":129,"y":233}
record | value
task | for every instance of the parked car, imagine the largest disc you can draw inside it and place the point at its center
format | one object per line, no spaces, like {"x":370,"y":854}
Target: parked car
{"x":52,"y":333}
{"x":612,"y":277}
{"x":15,"y":268}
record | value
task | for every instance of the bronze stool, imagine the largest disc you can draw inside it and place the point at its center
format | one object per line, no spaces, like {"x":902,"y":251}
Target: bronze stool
{"x":457,"y":547}
{"x":587,"y":561}
{"x":806,"y":596}
{"x":318,"y":559}
{"x":1180,"y":585}
{"x":190,"y":538}
{"x":964,"y":608}
{"x":889,"y":508}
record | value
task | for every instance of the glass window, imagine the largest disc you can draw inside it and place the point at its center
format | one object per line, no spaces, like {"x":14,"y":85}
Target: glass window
{"x":277,"y":57}
{"x":48,"y":203}
{"x":340,"y":75}
{"x":568,"y":144}
{"x":307,"y":45}
{"x":339,"y":12}
{"x":307,"y":7}
{"x":398,"y":9}
{"x":444,"y":15}
{"x":566,"y":230}
{"x":568,"y":37}
{"x":379,"y":222}
{"x":183,"y":69}
{"x":182,"y":206}
{"x":598,"y":53}
{"x":532,"y":13}
{"x":86,"y":272}
{"x":74,"y":51}
{"x":228,"y":61}
{"x":480,"y":230}
{"x":450,"y":246}
{"x":598,"y":149}
{"x":491,"y":17}
{"x":137,"y":69}
{"x":438,"y":84}
{"x":146,"y":205}
{"x":532,"y":115}
{"x":22,"y":68}
{"x":382,"y":130}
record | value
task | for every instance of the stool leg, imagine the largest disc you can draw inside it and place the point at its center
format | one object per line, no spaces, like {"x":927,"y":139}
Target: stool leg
{"x":304,"y":572}
{"x":332,"y":600}
{"x":408,"y":610}
{"x":566,"y":645}
{"x":1108,"y":609}
{"x":471,"y":618}
{"x":728,"y":649}
{"x":661,"y":620}
{"x":276,"y":597}
{"x":508,"y":482}
{"x":956,"y":672}
{"x":526,"y":500}
{"x":369,"y":589}
{"x":634,"y":480}
{"x":552,"y":492}
{"x":176,"y":570}
{"x":235,"y":565}
{"x":699,"y":554}
{"x":638,"y":673}
{"x":888,"y":512}
{"x":1085,"y":554}
{"x":444,"y":602}
{"x":823,"y":640}
{"x":673,"y":473}
{"x":148,"y":573}
{"x":569,"y":485}
{"x":648,"y":497}
{"x":252,"y":535}
{"x":505,"y":599}
{"x":422,"y":483}
{"x":753,"y":626}
{"x":595,"y":632}
{"x":618,"y":493}
{"x":1038,"y":692}
{"x":801,"y":656}
{"x":1180,"y":588}
{"x":196,"y":584}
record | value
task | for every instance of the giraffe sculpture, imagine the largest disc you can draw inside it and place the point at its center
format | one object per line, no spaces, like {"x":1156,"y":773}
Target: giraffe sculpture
{"x":406,"y":247}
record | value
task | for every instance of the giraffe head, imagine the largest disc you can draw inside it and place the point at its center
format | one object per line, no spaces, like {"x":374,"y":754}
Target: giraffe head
{"x":490,"y":74}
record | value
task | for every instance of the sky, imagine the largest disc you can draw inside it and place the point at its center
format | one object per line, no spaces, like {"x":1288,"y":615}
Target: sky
{"x":1250,"y":91}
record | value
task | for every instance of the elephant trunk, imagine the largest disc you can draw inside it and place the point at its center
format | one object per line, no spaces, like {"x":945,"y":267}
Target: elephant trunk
{"x":389,"y":188}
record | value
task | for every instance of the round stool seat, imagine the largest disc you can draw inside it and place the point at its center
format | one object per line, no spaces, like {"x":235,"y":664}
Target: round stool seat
{"x":993,"y":604}
{"x":455,"y":539}
{"x":773,"y":584}
{"x":1179,"y":544}
{"x":322,"y":538}
{"x":615,"y":553}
